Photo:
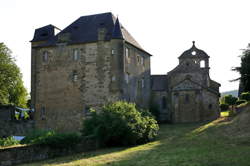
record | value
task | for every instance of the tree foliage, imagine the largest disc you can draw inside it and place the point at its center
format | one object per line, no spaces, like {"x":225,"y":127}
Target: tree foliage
{"x":230,"y":100}
{"x":244,"y":70}
{"x":12,"y":90}
{"x":120,"y":123}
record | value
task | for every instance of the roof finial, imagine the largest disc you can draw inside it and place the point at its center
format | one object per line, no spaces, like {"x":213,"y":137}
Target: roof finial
{"x":193,"y":43}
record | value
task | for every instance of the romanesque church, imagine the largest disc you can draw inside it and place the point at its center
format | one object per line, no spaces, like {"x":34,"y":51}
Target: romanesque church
{"x":95,"y":60}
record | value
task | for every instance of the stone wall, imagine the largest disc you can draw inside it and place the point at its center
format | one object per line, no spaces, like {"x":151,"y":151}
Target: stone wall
{"x":66,"y":88}
{"x":18,"y":128}
{"x":32,"y":153}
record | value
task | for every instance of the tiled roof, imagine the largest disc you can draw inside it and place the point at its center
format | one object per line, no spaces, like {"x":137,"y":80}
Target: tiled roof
{"x":159,"y":82}
{"x":85,"y":30}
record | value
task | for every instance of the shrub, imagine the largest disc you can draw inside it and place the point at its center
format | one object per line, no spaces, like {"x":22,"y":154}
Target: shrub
{"x":9,"y":141}
{"x":224,"y":107}
{"x":245,"y":96}
{"x":52,"y":139}
{"x":230,"y":100}
{"x":238,"y":102}
{"x":36,"y":136}
{"x":120,"y":123}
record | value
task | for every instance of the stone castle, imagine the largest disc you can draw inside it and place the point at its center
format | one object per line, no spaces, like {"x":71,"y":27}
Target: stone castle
{"x":95,"y":60}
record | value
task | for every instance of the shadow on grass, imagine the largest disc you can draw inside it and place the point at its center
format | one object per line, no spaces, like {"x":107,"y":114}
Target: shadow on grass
{"x":177,"y":145}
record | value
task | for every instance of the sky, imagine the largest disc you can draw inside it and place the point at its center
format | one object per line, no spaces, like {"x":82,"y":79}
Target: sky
{"x":164,"y":28}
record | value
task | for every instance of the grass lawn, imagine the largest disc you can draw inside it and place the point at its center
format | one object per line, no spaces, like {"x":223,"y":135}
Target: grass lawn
{"x":203,"y":144}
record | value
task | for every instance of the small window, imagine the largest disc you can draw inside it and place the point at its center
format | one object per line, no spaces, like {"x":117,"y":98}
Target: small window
{"x":193,"y":52}
{"x":142,"y":60}
{"x":127,"y":78}
{"x":186,"y":98}
{"x":202,"y":64}
{"x":113,"y":52}
{"x":45,"y":56}
{"x":127,"y":53}
{"x":138,"y":84}
{"x":164,"y":102}
{"x":43,"y":113}
{"x":142,"y":83}
{"x":138,"y":59}
{"x":210,"y":106}
{"x":76,"y":54}
{"x":75,"y":76}
{"x":113,"y":79}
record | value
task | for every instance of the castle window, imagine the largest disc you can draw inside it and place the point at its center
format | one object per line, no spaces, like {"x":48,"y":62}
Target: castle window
{"x":138,"y":59}
{"x":142,"y":60}
{"x":127,"y":54}
{"x":113,"y":79}
{"x":113,"y":52}
{"x":164,"y":102}
{"x":127,"y":77}
{"x":210,"y":106}
{"x":142,"y":83}
{"x":138,"y":84}
{"x":76,"y":54}
{"x":43,"y":113}
{"x":45,"y":56}
{"x":186,"y":98}
{"x":75,"y":76}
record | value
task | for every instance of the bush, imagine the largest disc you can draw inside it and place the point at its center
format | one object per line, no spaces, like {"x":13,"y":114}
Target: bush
{"x":230,"y":100}
{"x":52,"y":139}
{"x":224,"y":107}
{"x":120,"y":123}
{"x":238,"y":102}
{"x":9,"y":141}
{"x":245,"y":96}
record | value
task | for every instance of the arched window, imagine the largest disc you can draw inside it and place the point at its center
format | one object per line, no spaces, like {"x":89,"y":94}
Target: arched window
{"x":202,"y":64}
{"x":164,"y":102}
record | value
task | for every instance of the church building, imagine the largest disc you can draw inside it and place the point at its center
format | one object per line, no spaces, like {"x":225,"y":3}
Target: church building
{"x":187,"y":93}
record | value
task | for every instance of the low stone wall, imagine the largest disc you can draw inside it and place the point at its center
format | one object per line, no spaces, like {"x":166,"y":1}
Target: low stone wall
{"x":25,"y":154}
{"x":9,"y":128}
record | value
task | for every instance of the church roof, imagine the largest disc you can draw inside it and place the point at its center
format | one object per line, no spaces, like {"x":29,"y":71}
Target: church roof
{"x":194,"y":52}
{"x":85,"y":30}
{"x":158,"y":82}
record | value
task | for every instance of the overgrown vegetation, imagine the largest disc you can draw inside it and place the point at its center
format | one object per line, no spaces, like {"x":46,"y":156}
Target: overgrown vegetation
{"x":119,"y":124}
{"x":52,"y":139}
{"x":9,"y":141}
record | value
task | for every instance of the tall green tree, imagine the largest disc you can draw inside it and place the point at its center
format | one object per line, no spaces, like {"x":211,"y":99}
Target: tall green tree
{"x":12,"y":90}
{"x":244,"y":70}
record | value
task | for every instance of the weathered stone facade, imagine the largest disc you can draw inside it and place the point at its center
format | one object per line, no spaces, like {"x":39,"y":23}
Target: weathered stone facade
{"x":70,"y":76}
{"x":187,"y":94}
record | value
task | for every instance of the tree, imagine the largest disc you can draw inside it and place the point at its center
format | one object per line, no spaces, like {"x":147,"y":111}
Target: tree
{"x":12,"y":90}
{"x":244,"y":71}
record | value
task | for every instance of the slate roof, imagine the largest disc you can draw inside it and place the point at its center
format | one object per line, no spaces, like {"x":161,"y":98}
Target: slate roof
{"x":159,"y":82}
{"x":85,"y":30}
{"x":198,"y":53}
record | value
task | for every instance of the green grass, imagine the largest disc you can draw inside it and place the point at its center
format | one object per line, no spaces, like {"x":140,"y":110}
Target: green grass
{"x":177,"y":145}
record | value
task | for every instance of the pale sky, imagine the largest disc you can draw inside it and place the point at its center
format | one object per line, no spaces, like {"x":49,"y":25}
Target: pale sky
{"x":164,"y":28}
